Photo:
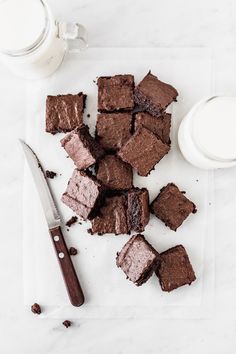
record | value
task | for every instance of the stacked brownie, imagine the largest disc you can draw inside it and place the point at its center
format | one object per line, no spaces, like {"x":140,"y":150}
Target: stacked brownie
{"x":132,"y":132}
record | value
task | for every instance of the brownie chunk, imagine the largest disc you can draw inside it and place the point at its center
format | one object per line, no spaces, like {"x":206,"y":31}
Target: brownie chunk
{"x":64,"y":112}
{"x":160,"y":126}
{"x":143,"y":151}
{"x":114,"y":173}
{"x":36,"y":309}
{"x":175,"y":269}
{"x":112,"y":218}
{"x":113,"y":129}
{"x":172,"y":207}
{"x":82,"y":148}
{"x":138,"y":259}
{"x":115,"y":93}
{"x":73,"y":251}
{"x":66,"y":323}
{"x":83,"y":194}
{"x":154,"y":95}
{"x":138,"y":209}
{"x":50,"y":174}
{"x":71,"y":221}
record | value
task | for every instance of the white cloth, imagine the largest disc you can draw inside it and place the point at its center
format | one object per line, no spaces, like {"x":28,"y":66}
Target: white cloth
{"x":108,"y":294}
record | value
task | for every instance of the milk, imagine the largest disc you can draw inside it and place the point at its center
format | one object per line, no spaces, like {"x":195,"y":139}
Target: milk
{"x":16,"y":18}
{"x":207,"y":135}
{"x":32,"y":43}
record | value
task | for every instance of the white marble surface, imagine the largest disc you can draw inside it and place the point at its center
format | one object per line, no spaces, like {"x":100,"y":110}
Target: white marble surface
{"x":128,"y":23}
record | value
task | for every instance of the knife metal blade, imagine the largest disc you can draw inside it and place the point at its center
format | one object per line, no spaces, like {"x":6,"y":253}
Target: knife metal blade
{"x":53,"y":219}
{"x":49,"y":207}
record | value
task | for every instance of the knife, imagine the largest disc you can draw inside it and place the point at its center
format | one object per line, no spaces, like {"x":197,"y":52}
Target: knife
{"x":53,"y":219}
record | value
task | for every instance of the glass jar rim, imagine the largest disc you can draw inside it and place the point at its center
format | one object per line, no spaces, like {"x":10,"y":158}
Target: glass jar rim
{"x":37,"y":43}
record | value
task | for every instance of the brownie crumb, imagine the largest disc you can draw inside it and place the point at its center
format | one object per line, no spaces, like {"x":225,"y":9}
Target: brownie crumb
{"x":88,"y":115}
{"x":80,"y":222}
{"x":50,"y":174}
{"x":71,"y":221}
{"x":73,"y":251}
{"x":94,"y":81}
{"x":67,"y":229}
{"x":35,"y":308}
{"x":66,"y":323}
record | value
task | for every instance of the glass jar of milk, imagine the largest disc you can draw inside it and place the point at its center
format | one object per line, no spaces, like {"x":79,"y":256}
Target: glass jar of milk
{"x":207,"y":135}
{"x":32,"y":43}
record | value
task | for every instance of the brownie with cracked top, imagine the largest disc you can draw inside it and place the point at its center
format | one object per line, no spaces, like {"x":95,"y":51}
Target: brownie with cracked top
{"x":115,"y":93}
{"x":114,"y":173}
{"x":113,"y":130}
{"x":112,"y":217}
{"x":172,"y":207}
{"x":153,"y":95}
{"x":143,"y":151}
{"x":64,"y":112}
{"x":138,"y":259}
{"x":175,"y":269}
{"x":160,"y":126}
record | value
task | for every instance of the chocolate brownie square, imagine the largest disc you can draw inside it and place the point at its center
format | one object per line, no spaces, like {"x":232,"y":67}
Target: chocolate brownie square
{"x":172,"y":207}
{"x":114,"y":173}
{"x":175,"y":269}
{"x":82,"y":148}
{"x":160,"y":126}
{"x":138,"y":209}
{"x":64,"y":112}
{"x":138,"y":259}
{"x":112,"y":217}
{"x":143,"y":151}
{"x":153,"y":95}
{"x":83,"y":194}
{"x":113,"y":130}
{"x":115,"y":93}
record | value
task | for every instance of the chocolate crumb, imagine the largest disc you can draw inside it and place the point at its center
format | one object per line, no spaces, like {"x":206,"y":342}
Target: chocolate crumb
{"x":73,"y":251}
{"x":50,"y":174}
{"x":66,"y":323}
{"x":197,"y":180}
{"x":88,"y":115}
{"x":67,"y":157}
{"x":35,"y":308}
{"x":71,"y":221}
{"x":67,"y":229}
{"x":94,"y":81}
{"x":80,"y":222}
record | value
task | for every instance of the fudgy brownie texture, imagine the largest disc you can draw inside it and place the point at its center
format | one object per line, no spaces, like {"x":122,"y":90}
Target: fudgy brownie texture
{"x":114,"y":173}
{"x":73,"y":251}
{"x":64,"y":112}
{"x":71,"y":221}
{"x":154,"y":95}
{"x":83,"y":194}
{"x":115,"y":93}
{"x":138,"y":209}
{"x":175,"y":269}
{"x":113,"y":130}
{"x":172,"y":207}
{"x":112,"y":217}
{"x":82,"y":148}
{"x":160,"y":126}
{"x":138,"y":259}
{"x":50,"y":174}
{"x":66,"y":323}
{"x":36,"y":309}
{"x":143,"y":151}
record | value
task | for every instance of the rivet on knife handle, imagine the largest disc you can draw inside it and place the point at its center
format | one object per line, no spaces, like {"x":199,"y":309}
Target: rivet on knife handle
{"x":68,"y":271}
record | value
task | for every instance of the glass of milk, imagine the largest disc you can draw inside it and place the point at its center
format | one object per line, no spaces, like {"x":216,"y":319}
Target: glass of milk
{"x":32,"y":43}
{"x":207,"y":134}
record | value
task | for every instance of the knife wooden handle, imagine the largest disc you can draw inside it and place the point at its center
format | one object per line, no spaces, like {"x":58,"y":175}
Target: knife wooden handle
{"x":68,"y":271}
